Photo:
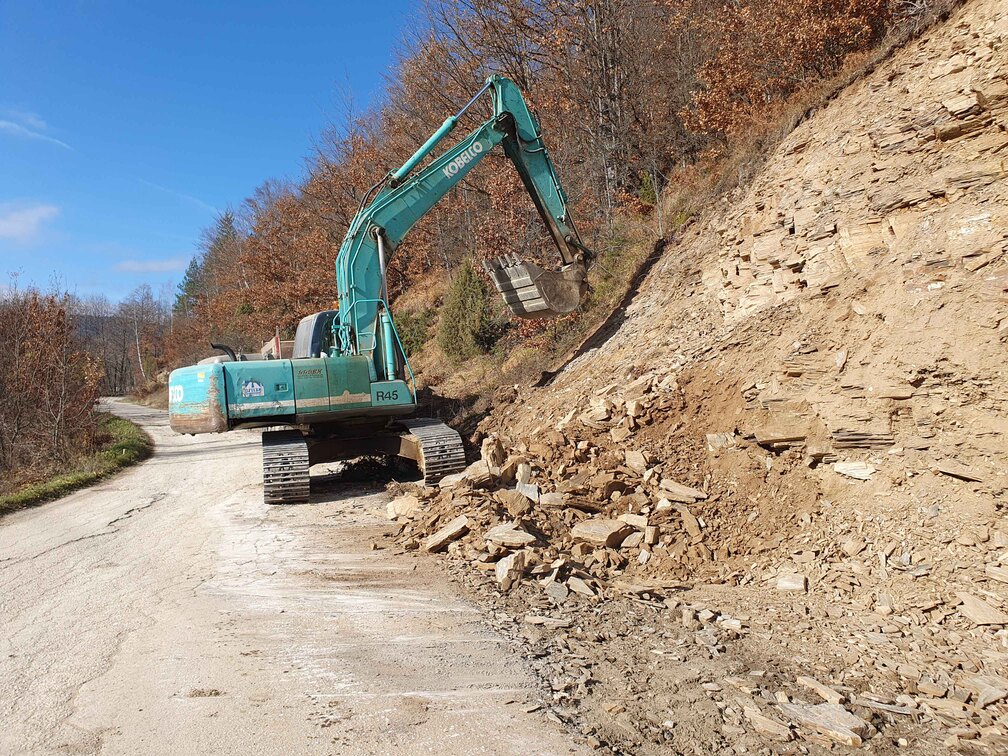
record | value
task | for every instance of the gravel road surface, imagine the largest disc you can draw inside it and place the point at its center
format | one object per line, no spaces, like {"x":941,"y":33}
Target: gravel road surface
{"x":169,"y":610}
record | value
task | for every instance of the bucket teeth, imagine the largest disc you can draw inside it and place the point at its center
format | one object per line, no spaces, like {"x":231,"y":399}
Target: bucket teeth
{"x":531,"y":292}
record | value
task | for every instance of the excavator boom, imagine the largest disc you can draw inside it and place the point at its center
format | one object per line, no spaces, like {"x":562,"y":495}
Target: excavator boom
{"x":408,"y":194}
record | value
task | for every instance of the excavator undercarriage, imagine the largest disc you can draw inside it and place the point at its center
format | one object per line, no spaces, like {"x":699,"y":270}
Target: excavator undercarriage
{"x":287,"y":455}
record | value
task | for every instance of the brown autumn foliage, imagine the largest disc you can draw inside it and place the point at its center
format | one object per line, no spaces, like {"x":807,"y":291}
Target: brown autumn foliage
{"x":48,"y":382}
{"x":767,"y":50}
{"x":630,"y":94}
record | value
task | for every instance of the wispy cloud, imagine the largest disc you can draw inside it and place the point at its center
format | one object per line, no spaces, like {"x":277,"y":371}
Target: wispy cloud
{"x":164,"y":265}
{"x":23,"y":124}
{"x":181,"y":195}
{"x":22,"y":223}
{"x":26,"y":117}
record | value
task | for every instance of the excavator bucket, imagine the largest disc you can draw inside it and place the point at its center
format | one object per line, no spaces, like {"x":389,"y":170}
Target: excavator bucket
{"x":532,"y":292}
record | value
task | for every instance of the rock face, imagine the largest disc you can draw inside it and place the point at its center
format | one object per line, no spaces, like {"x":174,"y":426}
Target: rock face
{"x":783,"y":467}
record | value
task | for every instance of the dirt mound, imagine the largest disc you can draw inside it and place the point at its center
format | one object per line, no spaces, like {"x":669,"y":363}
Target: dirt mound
{"x":787,"y":459}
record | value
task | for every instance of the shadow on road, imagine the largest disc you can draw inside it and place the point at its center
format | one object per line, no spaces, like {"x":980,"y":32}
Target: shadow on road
{"x":342,"y":481}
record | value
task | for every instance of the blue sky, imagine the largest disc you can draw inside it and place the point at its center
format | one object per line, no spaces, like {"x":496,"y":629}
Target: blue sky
{"x":125,"y":126}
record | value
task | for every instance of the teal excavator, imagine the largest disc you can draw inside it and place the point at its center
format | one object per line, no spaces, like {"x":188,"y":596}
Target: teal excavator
{"x":348,"y":389}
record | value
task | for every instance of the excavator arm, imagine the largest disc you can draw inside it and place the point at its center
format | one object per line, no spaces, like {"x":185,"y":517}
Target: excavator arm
{"x":405,"y":196}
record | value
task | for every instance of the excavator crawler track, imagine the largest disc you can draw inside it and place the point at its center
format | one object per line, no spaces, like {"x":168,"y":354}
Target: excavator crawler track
{"x":440,"y":448}
{"x":285,"y":467}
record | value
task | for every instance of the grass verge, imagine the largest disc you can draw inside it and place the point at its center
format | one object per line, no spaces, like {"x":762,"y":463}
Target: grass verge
{"x":123,"y":444}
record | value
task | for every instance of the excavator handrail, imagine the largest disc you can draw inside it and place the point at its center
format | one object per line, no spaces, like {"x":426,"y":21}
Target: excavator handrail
{"x":395,"y":332}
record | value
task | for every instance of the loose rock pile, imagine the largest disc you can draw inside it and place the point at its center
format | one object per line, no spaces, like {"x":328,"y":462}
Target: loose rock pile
{"x":768,"y":511}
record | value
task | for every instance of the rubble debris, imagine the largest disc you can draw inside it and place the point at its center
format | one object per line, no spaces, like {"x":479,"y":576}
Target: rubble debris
{"x":453,"y":530}
{"x":853,"y":320}
{"x":979,"y":611}
{"x":510,"y":535}
{"x":601,"y":531}
{"x":832,"y":720}
{"x":795,"y":583}
{"x":403,"y":506}
{"x":509,"y":570}
{"x":857,"y":470}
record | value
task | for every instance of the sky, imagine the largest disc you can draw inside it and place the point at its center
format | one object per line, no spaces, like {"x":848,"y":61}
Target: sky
{"x":126,"y":127}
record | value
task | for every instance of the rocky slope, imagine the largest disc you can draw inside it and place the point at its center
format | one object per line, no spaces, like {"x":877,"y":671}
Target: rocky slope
{"x":768,"y":503}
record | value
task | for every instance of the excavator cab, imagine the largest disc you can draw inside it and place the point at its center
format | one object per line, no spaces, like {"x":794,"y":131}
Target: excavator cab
{"x":314,"y":334}
{"x":531,"y":292}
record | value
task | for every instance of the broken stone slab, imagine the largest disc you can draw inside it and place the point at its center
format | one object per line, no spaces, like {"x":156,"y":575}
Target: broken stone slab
{"x":523,"y":472}
{"x":404,"y":506}
{"x":857,"y":470}
{"x":633,"y":540}
{"x":634,"y":520}
{"x":516,"y":503}
{"x":781,"y":437}
{"x":764,"y":724}
{"x":853,"y":546}
{"x":492,"y":452}
{"x":996,"y":573}
{"x":578,"y":585}
{"x":831,"y":720}
{"x":509,"y":570}
{"x":718,"y":441}
{"x":636,"y":461}
{"x":600,"y":531}
{"x":510,"y":535}
{"x":979,"y":611}
{"x":528,"y":490}
{"x":453,"y":480}
{"x":478,"y":474}
{"x":552,"y":499}
{"x":796,"y":583}
{"x":509,"y":472}
{"x":956,"y":469}
{"x":896,"y":391}
{"x":678,"y":492}
{"x":450,"y":532}
{"x":550,"y":622}
{"x":825,"y":692}
{"x":987,"y":689}
{"x":557,"y":591}
{"x":690,"y":522}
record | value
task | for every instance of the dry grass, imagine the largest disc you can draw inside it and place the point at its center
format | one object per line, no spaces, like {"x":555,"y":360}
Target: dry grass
{"x":122,"y":444}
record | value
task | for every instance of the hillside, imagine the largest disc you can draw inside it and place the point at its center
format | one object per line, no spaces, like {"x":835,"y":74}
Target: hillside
{"x":802,"y":418}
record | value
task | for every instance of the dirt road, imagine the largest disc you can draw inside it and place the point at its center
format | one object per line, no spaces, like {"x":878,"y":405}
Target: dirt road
{"x":170,"y":610}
